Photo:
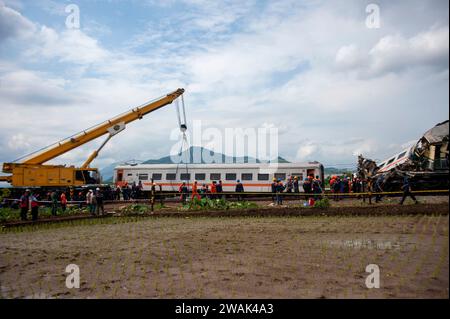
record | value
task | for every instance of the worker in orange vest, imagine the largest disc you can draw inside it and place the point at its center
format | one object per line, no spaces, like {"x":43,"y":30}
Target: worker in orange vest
{"x":195,"y":191}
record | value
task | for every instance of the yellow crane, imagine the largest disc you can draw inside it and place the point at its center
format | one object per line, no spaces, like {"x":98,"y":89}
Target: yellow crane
{"x":31,"y":171}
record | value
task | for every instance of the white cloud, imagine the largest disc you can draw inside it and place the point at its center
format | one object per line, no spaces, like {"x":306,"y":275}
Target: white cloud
{"x":331,"y":86}
{"x":395,"y":53}
{"x":71,"y":45}
{"x":13,"y":24}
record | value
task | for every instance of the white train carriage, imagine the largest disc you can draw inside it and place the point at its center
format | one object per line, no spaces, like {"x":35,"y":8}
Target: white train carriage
{"x":254,"y":177}
{"x":395,"y":160}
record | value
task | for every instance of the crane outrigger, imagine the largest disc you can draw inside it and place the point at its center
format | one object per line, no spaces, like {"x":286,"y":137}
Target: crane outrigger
{"x":32,"y":172}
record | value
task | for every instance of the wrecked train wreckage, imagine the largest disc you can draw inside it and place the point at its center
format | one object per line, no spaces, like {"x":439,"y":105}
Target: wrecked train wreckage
{"x":425,"y":163}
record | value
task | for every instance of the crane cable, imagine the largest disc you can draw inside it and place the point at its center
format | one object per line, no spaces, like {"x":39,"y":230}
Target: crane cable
{"x":184,"y":142}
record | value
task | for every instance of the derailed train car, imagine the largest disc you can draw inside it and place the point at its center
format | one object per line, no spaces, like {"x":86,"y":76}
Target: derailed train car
{"x":425,"y":163}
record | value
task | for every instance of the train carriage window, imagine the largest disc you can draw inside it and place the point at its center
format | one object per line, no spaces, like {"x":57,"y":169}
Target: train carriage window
{"x":230,"y":176}
{"x":299,"y":175}
{"x":401,"y":155}
{"x":143,"y":177}
{"x":200,"y":176}
{"x":185,"y":176}
{"x":171,"y":177}
{"x":215,"y":176}
{"x":390,"y":161}
{"x":247,"y":176}
{"x":129,"y":174}
{"x":157,"y":176}
{"x":263,"y":177}
{"x":280,"y":176}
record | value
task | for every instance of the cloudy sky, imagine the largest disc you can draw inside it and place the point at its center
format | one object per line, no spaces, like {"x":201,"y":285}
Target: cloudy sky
{"x":312,"y":69}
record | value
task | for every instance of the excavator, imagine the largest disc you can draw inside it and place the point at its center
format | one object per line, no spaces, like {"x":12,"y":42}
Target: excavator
{"x":31,"y":171}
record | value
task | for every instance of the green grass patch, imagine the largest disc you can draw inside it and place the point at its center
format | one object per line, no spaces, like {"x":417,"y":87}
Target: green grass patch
{"x":216,"y":204}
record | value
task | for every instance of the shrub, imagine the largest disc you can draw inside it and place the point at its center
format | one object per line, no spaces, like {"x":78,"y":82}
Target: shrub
{"x":135,"y":209}
{"x":216,"y":204}
{"x":322,"y":203}
{"x":4,"y":193}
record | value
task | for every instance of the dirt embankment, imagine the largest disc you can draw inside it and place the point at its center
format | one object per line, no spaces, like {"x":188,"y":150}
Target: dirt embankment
{"x":376,"y":210}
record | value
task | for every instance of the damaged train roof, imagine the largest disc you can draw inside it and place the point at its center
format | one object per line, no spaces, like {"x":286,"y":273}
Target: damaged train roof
{"x":437,"y":134}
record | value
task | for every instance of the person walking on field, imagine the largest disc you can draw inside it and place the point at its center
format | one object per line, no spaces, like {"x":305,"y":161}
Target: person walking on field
{"x":378,"y":188}
{"x":406,"y":187}
{"x":34,"y":207}
{"x":63,"y":201}
{"x":24,"y":204}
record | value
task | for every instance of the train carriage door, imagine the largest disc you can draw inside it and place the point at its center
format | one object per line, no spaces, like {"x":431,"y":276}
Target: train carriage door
{"x":119,"y":176}
{"x":310,"y":172}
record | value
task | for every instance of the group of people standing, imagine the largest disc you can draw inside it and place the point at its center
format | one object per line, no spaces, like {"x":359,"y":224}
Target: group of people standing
{"x":212,"y":191}
{"x":94,"y":202}
{"x":311,"y":185}
{"x":342,"y":186}
{"x":127,"y":192}
{"x":30,"y":201}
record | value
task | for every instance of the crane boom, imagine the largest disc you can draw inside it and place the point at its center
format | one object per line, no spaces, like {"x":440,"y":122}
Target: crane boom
{"x":31,"y":172}
{"x":101,"y":129}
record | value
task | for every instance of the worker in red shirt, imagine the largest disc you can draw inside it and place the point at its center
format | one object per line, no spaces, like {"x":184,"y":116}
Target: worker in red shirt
{"x":183,"y":190}
{"x":195,"y":191}
{"x":213,"y":190}
{"x":34,"y":206}
{"x":63,"y":202}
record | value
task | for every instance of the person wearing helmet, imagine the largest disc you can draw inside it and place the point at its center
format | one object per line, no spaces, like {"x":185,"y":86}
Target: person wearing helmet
{"x":90,"y":201}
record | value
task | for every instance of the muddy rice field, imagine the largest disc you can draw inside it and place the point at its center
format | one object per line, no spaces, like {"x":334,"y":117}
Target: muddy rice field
{"x":286,"y":256}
